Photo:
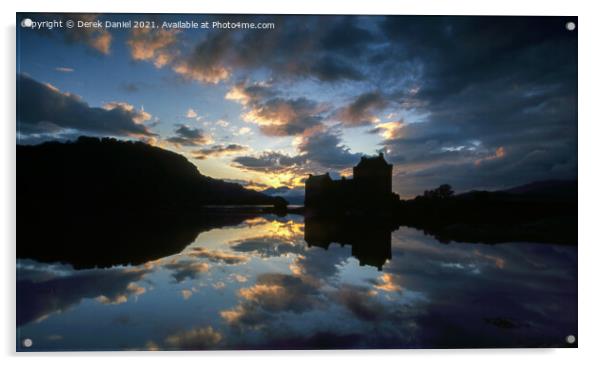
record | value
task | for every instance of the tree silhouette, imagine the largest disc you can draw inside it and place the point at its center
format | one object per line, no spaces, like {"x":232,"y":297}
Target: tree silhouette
{"x":444,"y":191}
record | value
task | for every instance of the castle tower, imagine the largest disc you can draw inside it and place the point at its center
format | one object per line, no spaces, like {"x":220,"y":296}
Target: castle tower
{"x":373,"y":175}
{"x":317,"y":190}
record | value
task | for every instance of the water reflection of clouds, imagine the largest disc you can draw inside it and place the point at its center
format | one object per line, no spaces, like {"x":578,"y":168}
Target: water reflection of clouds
{"x":195,"y":339}
{"x":186,"y":269}
{"x":296,"y":296}
{"x":217,"y":256}
{"x":478,"y":287}
{"x":271,"y":238}
{"x":427,"y":293}
{"x":267,"y":246}
{"x":45,"y":289}
{"x":271,"y":294}
{"x":388,"y":283}
{"x":317,"y":264}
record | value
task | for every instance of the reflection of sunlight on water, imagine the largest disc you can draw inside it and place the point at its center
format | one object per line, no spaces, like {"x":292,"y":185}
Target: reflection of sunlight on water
{"x":289,"y":230}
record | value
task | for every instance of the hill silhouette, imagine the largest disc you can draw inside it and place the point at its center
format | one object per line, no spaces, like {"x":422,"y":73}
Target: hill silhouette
{"x":542,"y":211}
{"x":556,"y":190}
{"x":109,"y":174}
{"x":100,"y":202}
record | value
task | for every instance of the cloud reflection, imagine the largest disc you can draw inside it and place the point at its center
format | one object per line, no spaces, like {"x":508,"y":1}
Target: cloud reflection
{"x":46,"y":289}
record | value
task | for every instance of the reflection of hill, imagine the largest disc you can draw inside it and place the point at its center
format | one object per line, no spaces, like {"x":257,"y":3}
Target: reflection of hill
{"x":86,"y":242}
{"x":370,"y":241}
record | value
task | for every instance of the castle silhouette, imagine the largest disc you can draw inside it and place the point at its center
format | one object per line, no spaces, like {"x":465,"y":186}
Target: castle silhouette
{"x":368,"y":193}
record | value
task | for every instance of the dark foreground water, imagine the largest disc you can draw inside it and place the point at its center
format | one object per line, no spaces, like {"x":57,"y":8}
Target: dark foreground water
{"x":261,"y":285}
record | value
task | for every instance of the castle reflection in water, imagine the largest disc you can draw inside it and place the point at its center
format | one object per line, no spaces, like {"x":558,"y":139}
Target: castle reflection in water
{"x":370,"y":242}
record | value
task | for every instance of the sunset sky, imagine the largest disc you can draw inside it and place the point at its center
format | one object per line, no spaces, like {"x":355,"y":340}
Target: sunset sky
{"x":476,"y":102}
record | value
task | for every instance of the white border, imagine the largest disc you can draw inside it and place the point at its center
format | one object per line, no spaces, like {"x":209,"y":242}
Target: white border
{"x":590,"y":59}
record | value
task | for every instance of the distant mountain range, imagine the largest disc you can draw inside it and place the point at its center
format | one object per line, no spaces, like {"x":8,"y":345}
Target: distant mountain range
{"x":559,"y":189}
{"x":294,"y":196}
{"x":548,"y":190}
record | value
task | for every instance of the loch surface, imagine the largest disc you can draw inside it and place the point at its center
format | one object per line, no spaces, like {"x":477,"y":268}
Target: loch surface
{"x":273,"y":282}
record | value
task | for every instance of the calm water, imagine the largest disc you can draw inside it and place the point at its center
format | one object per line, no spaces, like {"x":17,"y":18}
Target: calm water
{"x":261,"y":285}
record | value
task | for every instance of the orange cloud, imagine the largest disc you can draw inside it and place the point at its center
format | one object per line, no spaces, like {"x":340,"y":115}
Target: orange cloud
{"x":186,"y":294}
{"x":500,"y":152}
{"x":138,"y":116}
{"x":102,"y":43}
{"x":153,"y":45}
{"x":196,"y":338}
{"x":390,"y":130}
{"x":211,"y":75}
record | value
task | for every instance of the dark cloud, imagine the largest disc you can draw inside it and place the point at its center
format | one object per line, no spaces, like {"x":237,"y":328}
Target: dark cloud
{"x":185,"y":135}
{"x":319,"y":149}
{"x":301,"y":47}
{"x":219,"y":150}
{"x":499,"y":95}
{"x":43,"y":109}
{"x":285,"y":117}
{"x":327,"y":149}
{"x":363,"y":110}
{"x":346,"y":36}
{"x":269,"y":162}
{"x":331,"y":68}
